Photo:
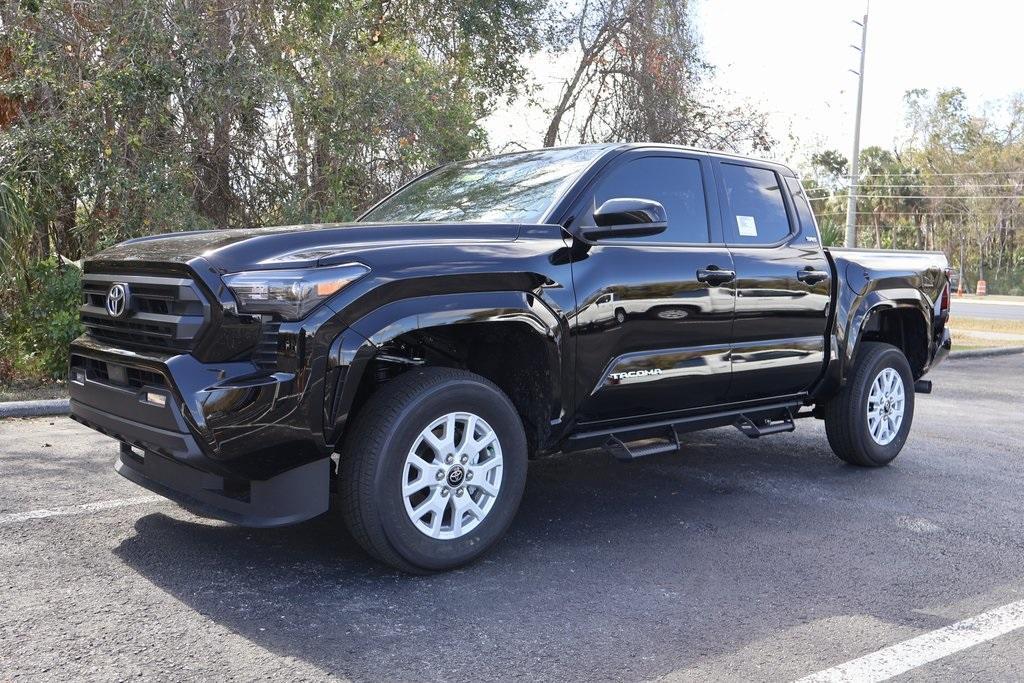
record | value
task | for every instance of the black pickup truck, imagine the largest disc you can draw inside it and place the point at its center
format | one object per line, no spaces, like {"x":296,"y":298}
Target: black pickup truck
{"x":489,"y":312}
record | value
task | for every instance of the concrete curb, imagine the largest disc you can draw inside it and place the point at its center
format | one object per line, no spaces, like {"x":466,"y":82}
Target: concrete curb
{"x":984,"y":353}
{"x":53,"y":406}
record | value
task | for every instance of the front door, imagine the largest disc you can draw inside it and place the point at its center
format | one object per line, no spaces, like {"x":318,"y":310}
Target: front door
{"x":783,"y":281}
{"x":654,"y":315}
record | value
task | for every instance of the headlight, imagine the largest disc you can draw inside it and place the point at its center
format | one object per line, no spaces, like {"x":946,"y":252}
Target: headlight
{"x":290,"y":294}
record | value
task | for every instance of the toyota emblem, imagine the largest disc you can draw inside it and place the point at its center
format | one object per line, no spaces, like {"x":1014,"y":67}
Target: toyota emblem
{"x":455,"y":475}
{"x":118,"y":300}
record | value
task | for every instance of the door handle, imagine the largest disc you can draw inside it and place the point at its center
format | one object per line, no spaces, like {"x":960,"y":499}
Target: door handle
{"x":811,"y":276}
{"x":713,"y":275}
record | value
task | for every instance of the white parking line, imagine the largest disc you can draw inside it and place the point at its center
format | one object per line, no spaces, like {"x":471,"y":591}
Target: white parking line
{"x":910,"y":654}
{"x":83,"y":509}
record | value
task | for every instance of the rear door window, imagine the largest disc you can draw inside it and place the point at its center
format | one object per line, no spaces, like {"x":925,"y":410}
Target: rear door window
{"x":756,"y":210}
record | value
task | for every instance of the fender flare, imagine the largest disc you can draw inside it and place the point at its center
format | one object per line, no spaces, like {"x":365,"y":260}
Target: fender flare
{"x":352,"y":351}
{"x":875,"y":302}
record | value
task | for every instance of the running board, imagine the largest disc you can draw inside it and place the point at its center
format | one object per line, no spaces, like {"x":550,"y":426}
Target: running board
{"x":668,"y":431}
{"x":625,"y":452}
{"x":757,"y":425}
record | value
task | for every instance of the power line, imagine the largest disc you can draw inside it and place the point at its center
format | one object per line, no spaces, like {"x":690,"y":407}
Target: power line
{"x":929,"y":173}
{"x":923,"y":196}
{"x":962,"y":214}
{"x":925,"y":185}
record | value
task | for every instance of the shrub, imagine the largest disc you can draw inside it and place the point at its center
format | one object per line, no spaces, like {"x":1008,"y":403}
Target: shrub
{"x":39,"y":318}
{"x":832,"y":234}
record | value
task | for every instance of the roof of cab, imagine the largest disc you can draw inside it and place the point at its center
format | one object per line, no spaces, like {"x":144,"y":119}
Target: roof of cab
{"x":780,"y":167}
{"x":617,"y":148}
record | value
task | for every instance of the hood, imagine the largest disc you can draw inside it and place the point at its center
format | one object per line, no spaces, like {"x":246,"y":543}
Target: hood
{"x":295,"y":246}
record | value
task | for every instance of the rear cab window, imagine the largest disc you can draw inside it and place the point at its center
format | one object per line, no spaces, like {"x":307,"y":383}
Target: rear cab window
{"x":755,"y":207}
{"x":808,"y":226}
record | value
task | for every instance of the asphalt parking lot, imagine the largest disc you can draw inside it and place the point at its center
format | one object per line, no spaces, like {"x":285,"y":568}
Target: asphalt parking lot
{"x":734,"y":560}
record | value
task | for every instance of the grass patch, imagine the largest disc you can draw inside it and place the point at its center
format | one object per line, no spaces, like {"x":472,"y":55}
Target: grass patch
{"x":986,"y":325}
{"x":965,"y":343}
{"x":983,"y":333}
{"x":33,"y":391}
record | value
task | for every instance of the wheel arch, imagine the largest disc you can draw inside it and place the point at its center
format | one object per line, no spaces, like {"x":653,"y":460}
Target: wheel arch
{"x":902,"y":322}
{"x":479,"y":332}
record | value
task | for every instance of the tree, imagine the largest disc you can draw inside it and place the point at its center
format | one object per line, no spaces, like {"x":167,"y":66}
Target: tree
{"x":639,"y":76}
{"x":830,"y":167}
{"x":955,"y":184}
{"x":121,"y":118}
{"x":125,"y":117}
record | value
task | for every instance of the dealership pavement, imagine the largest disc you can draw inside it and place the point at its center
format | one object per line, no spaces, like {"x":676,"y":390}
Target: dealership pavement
{"x":736,"y":559}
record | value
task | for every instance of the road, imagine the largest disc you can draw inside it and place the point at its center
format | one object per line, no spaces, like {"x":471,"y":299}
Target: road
{"x":988,"y":309}
{"x":734,"y":560}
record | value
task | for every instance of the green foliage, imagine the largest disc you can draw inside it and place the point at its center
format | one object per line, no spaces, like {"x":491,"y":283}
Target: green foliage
{"x":133,"y":117}
{"x":15,"y":229}
{"x":1009,"y":282}
{"x":955,"y":185}
{"x":126,"y":118}
{"x":39,"y":318}
{"x":830,"y":166}
{"x":832,"y":233}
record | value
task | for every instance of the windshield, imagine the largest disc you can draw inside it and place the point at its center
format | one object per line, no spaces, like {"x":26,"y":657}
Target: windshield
{"x":513,"y":188}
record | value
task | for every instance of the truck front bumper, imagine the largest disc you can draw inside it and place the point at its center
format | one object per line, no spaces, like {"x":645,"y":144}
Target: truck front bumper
{"x":290,"y":497}
{"x":227,"y":442}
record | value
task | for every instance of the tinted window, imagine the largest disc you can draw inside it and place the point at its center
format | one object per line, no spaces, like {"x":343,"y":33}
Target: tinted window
{"x":513,"y":188}
{"x":803,"y":208}
{"x":673,"y":181}
{"x":757,"y":210}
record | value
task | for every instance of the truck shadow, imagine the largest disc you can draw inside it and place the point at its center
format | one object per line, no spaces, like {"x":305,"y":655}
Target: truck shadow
{"x":602,"y":558}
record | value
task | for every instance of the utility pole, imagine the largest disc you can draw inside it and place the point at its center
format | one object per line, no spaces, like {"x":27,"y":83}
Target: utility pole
{"x":851,"y":207}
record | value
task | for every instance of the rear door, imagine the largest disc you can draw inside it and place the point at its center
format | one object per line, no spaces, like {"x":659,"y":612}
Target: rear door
{"x":652,"y":325}
{"x":782,"y":282}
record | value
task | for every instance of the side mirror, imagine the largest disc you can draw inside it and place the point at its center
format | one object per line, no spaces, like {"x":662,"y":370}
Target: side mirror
{"x":626,"y":217}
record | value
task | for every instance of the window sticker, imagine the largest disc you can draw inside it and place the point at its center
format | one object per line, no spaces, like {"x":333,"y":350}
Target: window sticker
{"x":747,"y":226}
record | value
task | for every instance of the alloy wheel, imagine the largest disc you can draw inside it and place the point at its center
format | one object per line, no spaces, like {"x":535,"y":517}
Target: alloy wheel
{"x":452,"y":475}
{"x":886,"y":402}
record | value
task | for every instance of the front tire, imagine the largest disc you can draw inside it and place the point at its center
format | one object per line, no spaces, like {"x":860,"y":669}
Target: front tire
{"x":868,"y":421}
{"x":433,"y":470}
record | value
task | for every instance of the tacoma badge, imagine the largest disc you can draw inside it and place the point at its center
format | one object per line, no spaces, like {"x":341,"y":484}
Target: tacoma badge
{"x":634,"y":373}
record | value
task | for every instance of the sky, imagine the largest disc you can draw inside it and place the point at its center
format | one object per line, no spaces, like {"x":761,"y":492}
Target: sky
{"x":791,"y":58}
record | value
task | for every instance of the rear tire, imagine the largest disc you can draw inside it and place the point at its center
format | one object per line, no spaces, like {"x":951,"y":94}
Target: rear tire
{"x":417,"y":489}
{"x":869,"y":419}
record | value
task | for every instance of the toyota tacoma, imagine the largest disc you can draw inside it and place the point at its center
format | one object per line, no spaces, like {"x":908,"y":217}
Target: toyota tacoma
{"x":489,"y":312}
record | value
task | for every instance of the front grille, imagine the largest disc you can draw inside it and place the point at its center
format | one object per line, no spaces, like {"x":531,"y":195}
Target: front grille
{"x":117,"y":374}
{"x":165,"y":313}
